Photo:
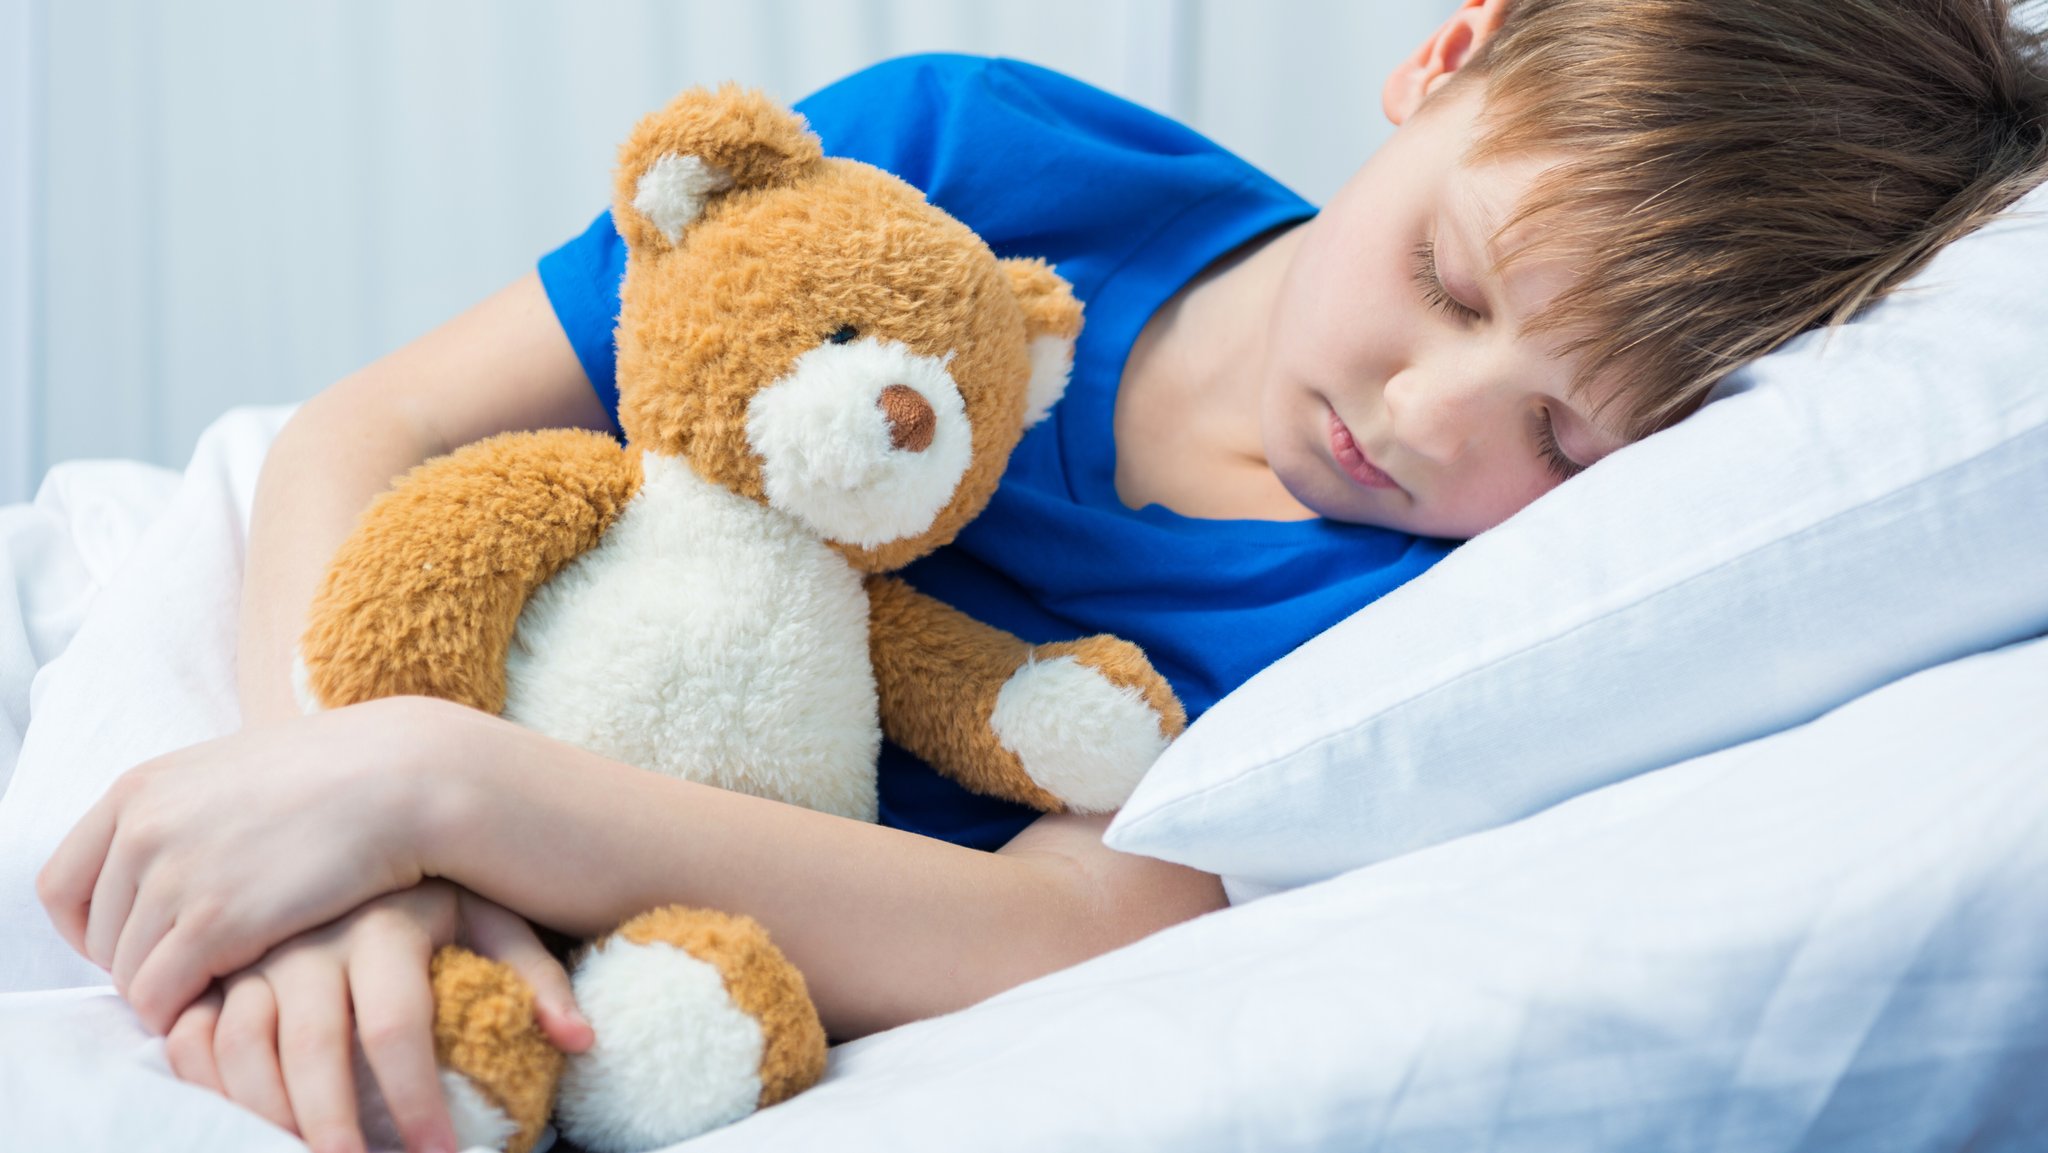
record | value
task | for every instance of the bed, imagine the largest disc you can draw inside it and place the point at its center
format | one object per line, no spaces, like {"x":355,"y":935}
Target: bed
{"x":1722,"y":825}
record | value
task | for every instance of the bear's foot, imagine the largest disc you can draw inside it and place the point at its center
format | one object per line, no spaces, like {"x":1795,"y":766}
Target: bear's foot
{"x":486,"y":1040}
{"x":699,"y":1020}
{"x":1086,"y":718}
{"x":498,"y":1070}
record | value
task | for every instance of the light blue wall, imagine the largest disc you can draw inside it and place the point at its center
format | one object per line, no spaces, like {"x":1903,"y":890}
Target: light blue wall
{"x":239,"y":201}
{"x":19,"y":120}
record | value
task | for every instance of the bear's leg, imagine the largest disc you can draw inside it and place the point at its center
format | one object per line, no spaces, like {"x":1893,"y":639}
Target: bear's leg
{"x":700,"y":1020}
{"x":498,"y":1070}
{"x":1067,"y":726}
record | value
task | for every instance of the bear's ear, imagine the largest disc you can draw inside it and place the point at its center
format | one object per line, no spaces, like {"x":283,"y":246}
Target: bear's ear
{"x":702,"y":144}
{"x":1052,"y":321}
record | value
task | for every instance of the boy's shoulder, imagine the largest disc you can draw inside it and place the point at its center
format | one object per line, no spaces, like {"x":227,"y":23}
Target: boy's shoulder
{"x":972,"y":101}
{"x":929,"y":76}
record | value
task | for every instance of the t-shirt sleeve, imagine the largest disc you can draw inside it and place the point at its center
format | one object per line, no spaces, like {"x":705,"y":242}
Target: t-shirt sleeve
{"x":582,"y":282}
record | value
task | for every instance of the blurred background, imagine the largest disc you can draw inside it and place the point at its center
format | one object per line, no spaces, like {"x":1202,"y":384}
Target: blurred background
{"x":223,"y":202}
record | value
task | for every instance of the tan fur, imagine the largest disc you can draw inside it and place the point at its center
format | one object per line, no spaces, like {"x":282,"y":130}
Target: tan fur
{"x":938,"y":672}
{"x":849,"y":244}
{"x":424,"y":596}
{"x":744,"y":134}
{"x":759,"y":979}
{"x":1048,"y":302}
{"x":484,"y":1029}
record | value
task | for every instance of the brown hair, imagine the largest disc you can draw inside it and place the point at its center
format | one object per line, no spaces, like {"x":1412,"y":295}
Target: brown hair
{"x":1736,"y":172}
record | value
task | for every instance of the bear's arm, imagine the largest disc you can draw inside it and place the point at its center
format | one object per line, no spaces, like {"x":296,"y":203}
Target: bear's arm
{"x":1059,"y":727}
{"x":424,"y":595}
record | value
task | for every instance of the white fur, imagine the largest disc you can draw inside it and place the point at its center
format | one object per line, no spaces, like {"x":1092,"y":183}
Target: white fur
{"x":302,"y":685}
{"x":824,"y":442}
{"x":1083,"y":739}
{"x":674,"y":1056}
{"x":710,"y":638}
{"x":477,"y":1121}
{"x":1052,"y":362}
{"x":671,"y":193}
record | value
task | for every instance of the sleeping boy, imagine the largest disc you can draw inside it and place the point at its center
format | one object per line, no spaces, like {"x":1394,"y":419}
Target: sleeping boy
{"x":1591,"y":210}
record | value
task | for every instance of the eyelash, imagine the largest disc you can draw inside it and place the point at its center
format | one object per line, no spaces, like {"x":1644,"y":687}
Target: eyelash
{"x":1561,"y":466}
{"x":1431,"y":282}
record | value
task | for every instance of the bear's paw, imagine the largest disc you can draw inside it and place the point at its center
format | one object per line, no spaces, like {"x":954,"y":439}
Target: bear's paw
{"x":1087,"y":719}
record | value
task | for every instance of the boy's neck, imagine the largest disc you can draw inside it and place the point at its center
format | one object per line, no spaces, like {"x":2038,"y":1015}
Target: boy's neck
{"x":1187,"y":409}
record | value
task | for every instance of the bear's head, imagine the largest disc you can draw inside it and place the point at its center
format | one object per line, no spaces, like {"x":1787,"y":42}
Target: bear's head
{"x":810,"y":333}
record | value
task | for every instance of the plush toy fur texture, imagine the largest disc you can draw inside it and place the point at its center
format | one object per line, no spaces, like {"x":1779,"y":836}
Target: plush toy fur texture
{"x":821,"y":379}
{"x":484,"y":1031}
{"x":851,"y":250}
{"x":925,"y":650}
{"x":423,"y":597}
{"x":760,"y":984}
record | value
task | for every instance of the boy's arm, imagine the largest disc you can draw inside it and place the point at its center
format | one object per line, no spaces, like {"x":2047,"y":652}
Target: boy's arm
{"x":887,"y":926}
{"x":503,"y":365}
{"x":194,"y":864}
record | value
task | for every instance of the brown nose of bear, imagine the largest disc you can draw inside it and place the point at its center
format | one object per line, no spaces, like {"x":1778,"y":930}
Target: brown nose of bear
{"x":910,"y":417}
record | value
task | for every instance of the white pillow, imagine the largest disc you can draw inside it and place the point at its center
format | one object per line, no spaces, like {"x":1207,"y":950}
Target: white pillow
{"x":1825,"y":940}
{"x":1871,"y":501}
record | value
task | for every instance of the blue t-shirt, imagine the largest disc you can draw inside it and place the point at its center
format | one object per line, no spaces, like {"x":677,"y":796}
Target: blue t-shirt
{"x":1129,"y":206}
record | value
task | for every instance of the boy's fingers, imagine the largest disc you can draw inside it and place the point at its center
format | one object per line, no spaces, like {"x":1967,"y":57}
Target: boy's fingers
{"x":145,"y":927}
{"x":394,"y":1006}
{"x":167,"y":980}
{"x":189,"y":1044}
{"x":66,"y":883}
{"x":503,"y":935}
{"x":113,"y":894}
{"x":245,"y":1051}
{"x":313,"y":1038}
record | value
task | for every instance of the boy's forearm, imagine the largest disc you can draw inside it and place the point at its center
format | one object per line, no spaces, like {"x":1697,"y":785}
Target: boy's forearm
{"x":326,"y":465}
{"x":887,"y":926}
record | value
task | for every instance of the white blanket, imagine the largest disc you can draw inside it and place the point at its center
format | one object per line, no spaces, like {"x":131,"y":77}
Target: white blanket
{"x":1824,"y":940}
{"x":55,"y":556}
{"x":150,"y":669}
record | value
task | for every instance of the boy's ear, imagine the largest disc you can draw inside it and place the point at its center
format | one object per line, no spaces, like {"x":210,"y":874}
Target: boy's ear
{"x":703,"y":144}
{"x":1417,"y":78}
{"x":1052,"y":322}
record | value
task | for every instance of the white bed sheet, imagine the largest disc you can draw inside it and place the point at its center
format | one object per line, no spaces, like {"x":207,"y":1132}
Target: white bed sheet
{"x":1825,"y":940}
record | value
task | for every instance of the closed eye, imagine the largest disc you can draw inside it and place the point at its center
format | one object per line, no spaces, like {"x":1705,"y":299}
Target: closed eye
{"x":1430,"y":280}
{"x":1561,"y":466}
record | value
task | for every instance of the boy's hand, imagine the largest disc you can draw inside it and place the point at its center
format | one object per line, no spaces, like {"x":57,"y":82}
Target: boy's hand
{"x":276,"y":1037}
{"x":193,"y":864}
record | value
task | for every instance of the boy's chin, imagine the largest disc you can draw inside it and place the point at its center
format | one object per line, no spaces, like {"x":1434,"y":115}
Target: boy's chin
{"x":1333,"y":496}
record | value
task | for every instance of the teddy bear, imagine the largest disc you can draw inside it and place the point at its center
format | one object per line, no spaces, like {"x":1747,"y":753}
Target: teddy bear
{"x":821,"y":378}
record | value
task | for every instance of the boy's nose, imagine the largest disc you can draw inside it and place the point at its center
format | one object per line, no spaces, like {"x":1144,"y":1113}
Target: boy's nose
{"x":1434,"y":415}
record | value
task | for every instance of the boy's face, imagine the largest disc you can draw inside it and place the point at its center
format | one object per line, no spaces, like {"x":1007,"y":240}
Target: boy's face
{"x":1399,"y":389}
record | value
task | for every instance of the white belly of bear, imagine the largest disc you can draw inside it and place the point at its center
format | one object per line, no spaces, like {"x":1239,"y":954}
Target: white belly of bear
{"x":710,"y":638}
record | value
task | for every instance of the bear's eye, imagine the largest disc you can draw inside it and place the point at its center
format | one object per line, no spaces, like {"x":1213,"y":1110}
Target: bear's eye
{"x":842,"y":334}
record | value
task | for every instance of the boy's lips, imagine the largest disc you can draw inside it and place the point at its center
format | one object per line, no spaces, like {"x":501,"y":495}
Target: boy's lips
{"x":1352,"y":459}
